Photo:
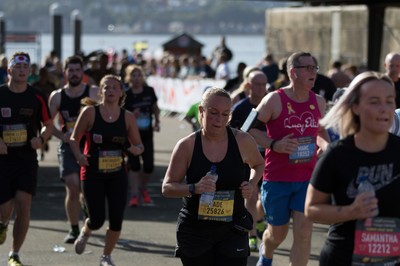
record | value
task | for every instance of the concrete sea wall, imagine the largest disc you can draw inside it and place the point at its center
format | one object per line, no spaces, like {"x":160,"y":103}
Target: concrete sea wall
{"x":329,"y":33}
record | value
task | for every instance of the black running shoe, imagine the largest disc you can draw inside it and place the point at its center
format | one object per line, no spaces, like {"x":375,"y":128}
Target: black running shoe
{"x":71,"y":237}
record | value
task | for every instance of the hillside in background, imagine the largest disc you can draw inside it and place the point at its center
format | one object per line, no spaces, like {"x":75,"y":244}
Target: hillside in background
{"x":138,"y":16}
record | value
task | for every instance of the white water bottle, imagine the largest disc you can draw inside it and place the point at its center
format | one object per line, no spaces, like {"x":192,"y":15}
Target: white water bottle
{"x":207,"y":198}
{"x":366,"y":186}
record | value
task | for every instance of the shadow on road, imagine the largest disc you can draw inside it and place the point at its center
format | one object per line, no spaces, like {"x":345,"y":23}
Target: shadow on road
{"x":48,"y":204}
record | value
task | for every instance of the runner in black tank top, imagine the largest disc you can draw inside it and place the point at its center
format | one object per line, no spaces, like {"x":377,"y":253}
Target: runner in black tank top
{"x":231,"y":173}
{"x":69,"y":109}
{"x":209,"y":234}
{"x":66,"y":103}
{"x":110,"y":132}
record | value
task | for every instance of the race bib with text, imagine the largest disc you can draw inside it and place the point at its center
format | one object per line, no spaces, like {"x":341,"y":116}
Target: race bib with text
{"x":221,"y":208}
{"x":15,"y":135}
{"x":305,"y":151}
{"x":110,"y":161}
{"x":376,"y":242}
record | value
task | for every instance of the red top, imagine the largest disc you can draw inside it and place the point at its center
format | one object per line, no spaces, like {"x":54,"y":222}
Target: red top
{"x":301,"y":119}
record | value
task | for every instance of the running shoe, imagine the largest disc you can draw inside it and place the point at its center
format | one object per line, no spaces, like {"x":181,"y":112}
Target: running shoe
{"x":260,"y":228}
{"x":13,"y":260}
{"x":145,"y":195}
{"x":80,"y":242}
{"x":105,"y":260}
{"x":3,"y":233}
{"x":133,"y":202}
{"x":253,"y":243}
{"x":71,"y":237}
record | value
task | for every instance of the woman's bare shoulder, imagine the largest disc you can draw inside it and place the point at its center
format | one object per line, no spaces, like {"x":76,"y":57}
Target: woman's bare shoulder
{"x":186,"y":142}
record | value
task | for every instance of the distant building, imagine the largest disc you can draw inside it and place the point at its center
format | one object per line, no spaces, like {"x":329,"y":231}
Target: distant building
{"x":183,"y":44}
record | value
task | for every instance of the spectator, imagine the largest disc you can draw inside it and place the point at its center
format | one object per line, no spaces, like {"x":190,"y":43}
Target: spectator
{"x":324,"y":86}
{"x":103,"y":69}
{"x":44,"y":84}
{"x":192,"y":115}
{"x":34,"y":75}
{"x":338,"y":77}
{"x":3,"y":69}
{"x":234,"y":83}
{"x":51,"y":59}
{"x":206,"y":71}
{"x":185,"y":69}
{"x":223,"y":71}
{"x":350,"y":70}
{"x":46,"y":87}
{"x":283,"y":79}
{"x":57,"y":73}
{"x":222,"y":48}
{"x":270,"y":69}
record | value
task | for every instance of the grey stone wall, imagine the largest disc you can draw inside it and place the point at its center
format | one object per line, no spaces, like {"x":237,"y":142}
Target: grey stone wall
{"x":329,"y":33}
{"x":391,"y":35}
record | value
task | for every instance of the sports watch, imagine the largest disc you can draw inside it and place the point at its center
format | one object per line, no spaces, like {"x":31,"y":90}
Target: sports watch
{"x":192,"y":189}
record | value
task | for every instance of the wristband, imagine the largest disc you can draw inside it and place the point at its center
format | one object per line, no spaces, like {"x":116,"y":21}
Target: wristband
{"x":42,"y":139}
{"x":271,"y":146}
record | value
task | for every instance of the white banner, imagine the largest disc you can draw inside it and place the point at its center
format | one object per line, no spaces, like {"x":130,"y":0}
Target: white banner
{"x":177,"y":95}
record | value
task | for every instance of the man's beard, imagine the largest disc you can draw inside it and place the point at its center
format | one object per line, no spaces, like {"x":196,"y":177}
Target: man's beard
{"x":74,"y":82}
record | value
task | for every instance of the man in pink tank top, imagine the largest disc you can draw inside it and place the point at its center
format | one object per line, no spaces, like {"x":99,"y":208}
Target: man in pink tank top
{"x":294,"y":139}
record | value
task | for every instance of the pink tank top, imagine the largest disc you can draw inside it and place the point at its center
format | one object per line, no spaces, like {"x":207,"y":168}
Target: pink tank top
{"x":301,"y":119}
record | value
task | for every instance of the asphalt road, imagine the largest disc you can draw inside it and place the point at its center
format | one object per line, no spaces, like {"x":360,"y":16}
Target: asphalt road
{"x":148,"y":234}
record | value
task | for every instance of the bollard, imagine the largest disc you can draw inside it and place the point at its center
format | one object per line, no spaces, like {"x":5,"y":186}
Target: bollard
{"x":56,"y":27}
{"x":76,"y":30}
{"x":2,"y":33}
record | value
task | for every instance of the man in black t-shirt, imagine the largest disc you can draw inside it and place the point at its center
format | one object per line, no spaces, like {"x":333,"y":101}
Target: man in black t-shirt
{"x":23,"y":113}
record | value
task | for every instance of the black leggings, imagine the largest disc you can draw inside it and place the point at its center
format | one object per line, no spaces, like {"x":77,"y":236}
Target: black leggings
{"x":98,"y":191}
{"x":332,"y":255}
{"x":210,"y":258}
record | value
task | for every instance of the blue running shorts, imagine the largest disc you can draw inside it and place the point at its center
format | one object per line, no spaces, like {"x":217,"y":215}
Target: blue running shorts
{"x":279,"y":199}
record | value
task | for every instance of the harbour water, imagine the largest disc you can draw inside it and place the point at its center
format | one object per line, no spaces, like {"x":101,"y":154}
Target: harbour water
{"x":249,"y":49}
